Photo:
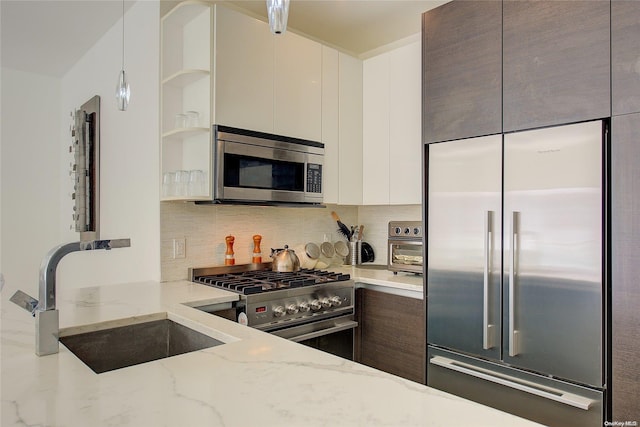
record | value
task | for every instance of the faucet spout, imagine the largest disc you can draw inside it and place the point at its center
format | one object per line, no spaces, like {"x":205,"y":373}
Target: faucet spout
{"x":47,"y":322}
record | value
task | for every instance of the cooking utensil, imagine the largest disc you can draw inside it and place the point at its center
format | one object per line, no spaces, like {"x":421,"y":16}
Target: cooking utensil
{"x":367,"y":254}
{"x":285,"y":260}
{"x":343,"y":229}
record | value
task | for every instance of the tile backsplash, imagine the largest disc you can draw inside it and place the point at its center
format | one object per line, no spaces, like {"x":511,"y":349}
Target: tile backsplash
{"x":204,"y":227}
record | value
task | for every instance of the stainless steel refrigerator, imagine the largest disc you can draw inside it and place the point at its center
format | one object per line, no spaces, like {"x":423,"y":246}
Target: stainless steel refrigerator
{"x":515,"y":271}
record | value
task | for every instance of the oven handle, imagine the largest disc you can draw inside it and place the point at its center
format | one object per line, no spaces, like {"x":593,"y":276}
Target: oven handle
{"x":343,"y":326}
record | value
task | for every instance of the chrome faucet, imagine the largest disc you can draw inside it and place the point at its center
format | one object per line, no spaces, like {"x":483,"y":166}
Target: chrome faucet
{"x":44,"y":310}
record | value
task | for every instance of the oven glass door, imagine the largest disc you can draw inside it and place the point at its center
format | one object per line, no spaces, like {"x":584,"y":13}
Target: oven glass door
{"x":405,"y":255}
{"x":243,"y":171}
{"x":333,"y":336}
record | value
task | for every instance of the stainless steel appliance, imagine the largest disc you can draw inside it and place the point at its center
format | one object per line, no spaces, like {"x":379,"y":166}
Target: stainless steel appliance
{"x":405,"y":247}
{"x":312,"y":307}
{"x":260,"y":168}
{"x":516,"y":271}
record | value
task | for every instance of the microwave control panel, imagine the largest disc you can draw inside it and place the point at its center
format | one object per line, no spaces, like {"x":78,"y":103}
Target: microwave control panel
{"x":314,"y":178}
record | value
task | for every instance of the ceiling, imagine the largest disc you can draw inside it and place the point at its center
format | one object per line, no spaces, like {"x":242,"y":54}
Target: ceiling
{"x":50,"y":36}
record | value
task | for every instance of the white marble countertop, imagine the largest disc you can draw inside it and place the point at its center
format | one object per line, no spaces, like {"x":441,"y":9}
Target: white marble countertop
{"x":377,"y":277}
{"x":253,"y":379}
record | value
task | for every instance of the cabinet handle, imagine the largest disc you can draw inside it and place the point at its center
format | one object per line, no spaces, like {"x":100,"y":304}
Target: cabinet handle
{"x":514,"y":335}
{"x":487,"y":329}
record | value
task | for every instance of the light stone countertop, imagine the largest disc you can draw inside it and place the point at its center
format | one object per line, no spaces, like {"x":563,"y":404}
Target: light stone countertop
{"x":377,"y":277}
{"x":253,"y":379}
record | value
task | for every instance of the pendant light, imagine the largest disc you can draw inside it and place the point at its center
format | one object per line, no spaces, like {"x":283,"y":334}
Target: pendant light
{"x":278,"y":11}
{"x":123,"y":93}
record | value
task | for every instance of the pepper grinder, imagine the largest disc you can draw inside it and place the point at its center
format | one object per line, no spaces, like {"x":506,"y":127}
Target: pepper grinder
{"x":229,"y":258}
{"x":257,"y":253}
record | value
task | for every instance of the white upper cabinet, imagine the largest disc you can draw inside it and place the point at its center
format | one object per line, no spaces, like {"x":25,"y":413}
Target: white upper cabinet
{"x":330,"y":124}
{"x":350,"y":130}
{"x":264,"y":82}
{"x":375,"y":131}
{"x":298,"y":87}
{"x":405,"y":128}
{"x":244,"y":76}
{"x":392,"y":165}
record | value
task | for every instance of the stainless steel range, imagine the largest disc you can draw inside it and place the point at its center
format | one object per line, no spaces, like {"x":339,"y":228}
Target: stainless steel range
{"x":313,"y":307}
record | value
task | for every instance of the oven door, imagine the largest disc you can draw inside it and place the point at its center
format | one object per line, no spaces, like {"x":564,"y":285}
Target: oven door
{"x":405,"y":255}
{"x":269,"y":172}
{"x":335,"y":335}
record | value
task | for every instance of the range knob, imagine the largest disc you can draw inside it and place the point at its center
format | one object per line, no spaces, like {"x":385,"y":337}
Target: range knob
{"x":304,"y":307}
{"x":279,"y":311}
{"x":335,"y":301}
{"x":325,"y":303}
{"x":315,"y":305}
{"x":292,"y":309}
{"x":398,"y":230}
{"x":416,"y":231}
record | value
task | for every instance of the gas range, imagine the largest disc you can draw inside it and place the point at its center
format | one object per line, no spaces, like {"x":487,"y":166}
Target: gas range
{"x":273,"y":301}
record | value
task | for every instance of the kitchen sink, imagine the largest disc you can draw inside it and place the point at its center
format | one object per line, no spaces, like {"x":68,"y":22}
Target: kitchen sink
{"x":119,"y":347}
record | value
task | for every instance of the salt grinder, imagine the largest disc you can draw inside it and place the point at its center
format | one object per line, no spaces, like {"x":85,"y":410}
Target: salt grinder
{"x":257,"y":253}
{"x":229,"y":258}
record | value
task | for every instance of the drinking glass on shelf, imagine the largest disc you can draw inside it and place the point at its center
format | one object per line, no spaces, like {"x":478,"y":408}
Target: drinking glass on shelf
{"x":193,"y":119}
{"x":196,"y":182}
{"x":181,"y":181}
{"x":181,"y":121}
{"x":168,"y":184}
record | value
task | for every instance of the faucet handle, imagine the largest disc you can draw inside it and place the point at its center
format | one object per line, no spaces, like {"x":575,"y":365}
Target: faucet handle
{"x":25,"y":301}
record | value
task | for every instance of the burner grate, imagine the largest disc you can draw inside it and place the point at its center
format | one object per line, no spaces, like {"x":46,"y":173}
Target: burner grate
{"x":258,"y":281}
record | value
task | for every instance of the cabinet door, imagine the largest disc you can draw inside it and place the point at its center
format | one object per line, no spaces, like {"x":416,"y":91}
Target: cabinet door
{"x":244,"y":72}
{"x":405,"y":146}
{"x":375,"y":130}
{"x":625,"y":220}
{"x":391,"y":334}
{"x":461,"y":61}
{"x":625,"y":56}
{"x":556,"y":62}
{"x":298,"y":88}
{"x":350,"y":132}
{"x":330,"y":123}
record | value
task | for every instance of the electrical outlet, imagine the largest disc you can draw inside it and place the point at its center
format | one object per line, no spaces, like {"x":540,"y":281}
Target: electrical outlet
{"x":179,"y":248}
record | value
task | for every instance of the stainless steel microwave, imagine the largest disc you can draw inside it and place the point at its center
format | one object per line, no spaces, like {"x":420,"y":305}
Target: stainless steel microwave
{"x":260,"y":168}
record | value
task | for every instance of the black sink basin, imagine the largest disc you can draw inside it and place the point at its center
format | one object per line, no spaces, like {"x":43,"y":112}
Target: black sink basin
{"x":116,"y":348}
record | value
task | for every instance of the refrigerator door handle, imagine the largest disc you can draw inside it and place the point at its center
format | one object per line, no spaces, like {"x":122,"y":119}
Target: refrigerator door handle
{"x":566,"y":398}
{"x":487,"y":329}
{"x":514,"y":335}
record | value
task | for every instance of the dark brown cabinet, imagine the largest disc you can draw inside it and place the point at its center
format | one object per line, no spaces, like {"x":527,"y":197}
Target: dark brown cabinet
{"x":625,"y":56}
{"x":556,"y":62}
{"x":625,"y":220}
{"x":391,"y":334}
{"x":462,"y":81}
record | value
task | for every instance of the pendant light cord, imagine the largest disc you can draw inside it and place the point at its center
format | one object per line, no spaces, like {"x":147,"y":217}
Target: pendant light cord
{"x":123,"y":34}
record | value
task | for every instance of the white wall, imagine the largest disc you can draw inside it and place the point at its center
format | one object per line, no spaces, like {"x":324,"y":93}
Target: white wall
{"x":129,"y":161}
{"x":34,"y":181}
{"x":30,"y":175}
